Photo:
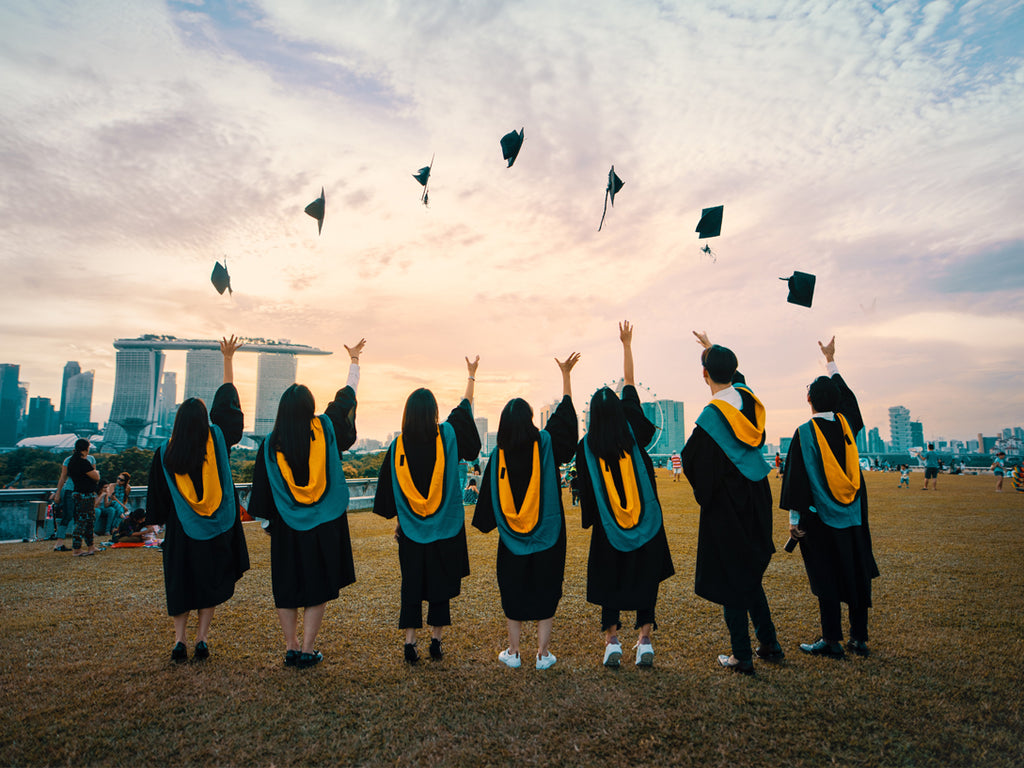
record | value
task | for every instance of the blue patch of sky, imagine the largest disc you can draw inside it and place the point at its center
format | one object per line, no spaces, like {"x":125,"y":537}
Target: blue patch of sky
{"x":239,"y":27}
{"x":997,"y":268}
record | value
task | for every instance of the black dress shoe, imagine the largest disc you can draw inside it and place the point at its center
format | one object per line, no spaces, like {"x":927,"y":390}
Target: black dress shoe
{"x":823,"y":648}
{"x":202,"y":651}
{"x":411,"y":655}
{"x":179,"y":653}
{"x":742,"y":667}
{"x":773,"y":653}
{"x":435,"y":649}
{"x":859,"y":647}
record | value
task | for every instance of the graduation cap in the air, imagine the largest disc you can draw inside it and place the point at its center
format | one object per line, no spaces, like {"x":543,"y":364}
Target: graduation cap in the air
{"x":801,"y":288}
{"x":511,"y":143}
{"x":423,"y":176}
{"x":614,"y":185}
{"x":220,"y":278}
{"x":316,"y":210}
{"x":710,"y":224}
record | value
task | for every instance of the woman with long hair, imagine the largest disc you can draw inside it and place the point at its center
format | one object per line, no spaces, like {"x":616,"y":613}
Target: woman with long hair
{"x":299,"y":488}
{"x":419,"y":483}
{"x":629,"y":555}
{"x":191,"y":491}
{"x":521,"y":497}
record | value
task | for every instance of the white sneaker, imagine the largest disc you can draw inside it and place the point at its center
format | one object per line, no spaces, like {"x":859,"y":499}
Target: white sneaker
{"x":644,"y":654}
{"x":612,"y":654}
{"x":510,"y":659}
{"x":546,"y":661}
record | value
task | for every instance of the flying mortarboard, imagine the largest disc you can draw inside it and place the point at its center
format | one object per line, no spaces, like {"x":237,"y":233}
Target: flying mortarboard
{"x":710,"y":224}
{"x":423,"y":176}
{"x":220,"y":278}
{"x":614,"y":185}
{"x":511,"y":143}
{"x":316,"y":210}
{"x":801,"y":288}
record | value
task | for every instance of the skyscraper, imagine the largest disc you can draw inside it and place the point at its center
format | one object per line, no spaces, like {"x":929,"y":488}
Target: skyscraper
{"x":668,"y":416}
{"x":204,"y":373}
{"x":275,"y":372}
{"x":77,"y":413}
{"x":166,"y":400}
{"x":71,"y":368}
{"x":9,"y":403}
{"x":875,"y":444}
{"x":899,"y":429}
{"x":481,"y":429}
{"x":917,"y":434}
{"x":137,"y":376}
{"x":41,"y":417}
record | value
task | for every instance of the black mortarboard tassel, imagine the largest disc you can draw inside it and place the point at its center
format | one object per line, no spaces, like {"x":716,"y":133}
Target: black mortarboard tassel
{"x":614,"y":185}
{"x":423,"y":176}
{"x":710,"y":224}
{"x":220,"y":278}
{"x":801,"y":288}
{"x":511,"y":143}
{"x":316,"y":210}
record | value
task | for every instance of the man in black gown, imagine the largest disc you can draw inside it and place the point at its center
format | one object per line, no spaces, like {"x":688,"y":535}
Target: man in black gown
{"x":823,"y":489}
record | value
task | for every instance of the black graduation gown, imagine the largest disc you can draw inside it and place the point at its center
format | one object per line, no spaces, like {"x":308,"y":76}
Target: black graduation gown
{"x":433,"y":571}
{"x":531,"y":585}
{"x":199,"y":574}
{"x":840,"y":562}
{"x":626,"y":581}
{"x":734,"y":540}
{"x":308,"y":567}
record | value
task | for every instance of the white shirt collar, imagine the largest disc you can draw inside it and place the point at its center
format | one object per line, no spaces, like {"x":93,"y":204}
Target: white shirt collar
{"x":826,"y":415}
{"x":730,"y":396}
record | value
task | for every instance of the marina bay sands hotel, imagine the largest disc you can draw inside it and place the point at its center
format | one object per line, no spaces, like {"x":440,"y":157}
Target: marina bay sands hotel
{"x":144,"y":394}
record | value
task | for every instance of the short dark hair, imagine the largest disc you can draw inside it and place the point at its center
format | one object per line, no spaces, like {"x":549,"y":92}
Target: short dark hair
{"x":419,"y":420}
{"x":720,"y":363}
{"x":823,"y":394}
{"x":931,"y":446}
{"x":515,"y":427}
{"x":81,"y":444}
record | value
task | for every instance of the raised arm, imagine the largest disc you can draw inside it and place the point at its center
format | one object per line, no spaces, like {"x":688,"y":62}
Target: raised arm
{"x":566,"y":367}
{"x":228,"y":347}
{"x":626,"y":337}
{"x":828,"y":350}
{"x":471,"y":380}
{"x":702,"y":339}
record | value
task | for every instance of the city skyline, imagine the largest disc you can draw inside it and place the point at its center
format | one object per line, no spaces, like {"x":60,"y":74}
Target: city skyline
{"x":875,"y":145}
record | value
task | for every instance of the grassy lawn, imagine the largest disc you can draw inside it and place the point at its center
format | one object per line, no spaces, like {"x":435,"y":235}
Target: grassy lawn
{"x":85,"y":676}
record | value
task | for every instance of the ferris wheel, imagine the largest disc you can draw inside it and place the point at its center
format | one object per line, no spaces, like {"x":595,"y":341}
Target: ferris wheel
{"x":654,"y":409}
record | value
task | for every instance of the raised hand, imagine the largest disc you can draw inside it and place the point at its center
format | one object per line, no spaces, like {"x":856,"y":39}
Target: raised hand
{"x":355,"y":350}
{"x":625,"y":332}
{"x":567,"y":365}
{"x":828,"y":350}
{"x":702,"y":339}
{"x":228,"y":347}
{"x":472,"y":366}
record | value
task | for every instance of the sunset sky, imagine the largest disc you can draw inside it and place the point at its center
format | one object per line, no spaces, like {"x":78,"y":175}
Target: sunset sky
{"x":877,"y":145}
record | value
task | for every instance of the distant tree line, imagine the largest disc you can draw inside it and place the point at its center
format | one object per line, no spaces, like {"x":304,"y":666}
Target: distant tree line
{"x":41,"y":469}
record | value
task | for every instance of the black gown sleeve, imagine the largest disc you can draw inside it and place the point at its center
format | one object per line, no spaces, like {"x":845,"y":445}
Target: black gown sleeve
{"x":588,"y":504}
{"x":643,"y":428}
{"x":226,"y":413}
{"x":483,"y":515}
{"x":261,"y":503}
{"x":468,"y":439}
{"x":848,"y":405}
{"x":158,"y":495}
{"x":700,"y":465}
{"x":384,"y":498}
{"x":342,"y":413}
{"x":796,"y":486}
{"x":563,"y":427}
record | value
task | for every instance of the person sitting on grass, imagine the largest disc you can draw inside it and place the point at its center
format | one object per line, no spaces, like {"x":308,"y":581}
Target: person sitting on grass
{"x":471,"y":494}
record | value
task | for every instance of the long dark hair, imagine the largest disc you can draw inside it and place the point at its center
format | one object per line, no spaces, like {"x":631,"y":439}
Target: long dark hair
{"x":291,"y":429}
{"x":608,"y":434}
{"x":419,"y":420}
{"x":186,"y":450}
{"x":515,"y":428}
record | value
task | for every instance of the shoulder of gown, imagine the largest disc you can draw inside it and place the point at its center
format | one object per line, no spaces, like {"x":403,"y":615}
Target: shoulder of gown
{"x":643,"y":428}
{"x":563,"y":427}
{"x":466,"y":435}
{"x":342,"y":413}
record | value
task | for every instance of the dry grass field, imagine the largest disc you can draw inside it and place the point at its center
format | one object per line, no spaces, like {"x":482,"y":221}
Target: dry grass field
{"x":85,"y":677}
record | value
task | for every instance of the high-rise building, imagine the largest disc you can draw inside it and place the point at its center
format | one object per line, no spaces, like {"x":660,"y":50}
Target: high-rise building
{"x":71,"y":368}
{"x":875,"y":444}
{"x":667,"y":415}
{"x":899,"y":429}
{"x":481,"y":429}
{"x":204,"y":373}
{"x":275,"y":372}
{"x":41,"y":417}
{"x":862,"y":441}
{"x":77,"y":413}
{"x":166,"y":400}
{"x":917,"y":434}
{"x":10,"y":400}
{"x":137,"y":374}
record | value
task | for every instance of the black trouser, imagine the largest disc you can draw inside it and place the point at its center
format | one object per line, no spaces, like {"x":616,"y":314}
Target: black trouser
{"x":85,"y":517}
{"x":832,"y":621}
{"x":739,"y":632}
{"x":438,"y":614}
{"x":610,"y":618}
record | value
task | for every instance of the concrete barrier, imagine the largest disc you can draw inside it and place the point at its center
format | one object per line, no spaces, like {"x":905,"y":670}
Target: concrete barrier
{"x":22,"y":511}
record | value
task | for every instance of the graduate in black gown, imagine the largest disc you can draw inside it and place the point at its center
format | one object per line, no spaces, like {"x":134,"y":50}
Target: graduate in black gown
{"x":521,"y":496}
{"x":823,"y":489}
{"x":299,"y":488}
{"x":629,"y":555}
{"x":419,"y":483}
{"x":191,"y":491}
{"x":729,"y":476}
